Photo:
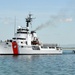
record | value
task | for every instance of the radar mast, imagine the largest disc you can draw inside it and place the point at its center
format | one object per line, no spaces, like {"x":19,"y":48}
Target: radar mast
{"x":28,"y":20}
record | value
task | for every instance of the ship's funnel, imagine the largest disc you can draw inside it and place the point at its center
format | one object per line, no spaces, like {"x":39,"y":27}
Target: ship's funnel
{"x":33,"y":33}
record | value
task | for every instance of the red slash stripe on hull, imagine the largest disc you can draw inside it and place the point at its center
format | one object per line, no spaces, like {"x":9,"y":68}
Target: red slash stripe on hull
{"x":15,"y":47}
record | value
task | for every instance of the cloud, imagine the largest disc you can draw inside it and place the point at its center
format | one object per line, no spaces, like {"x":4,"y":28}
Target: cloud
{"x":6,"y":20}
{"x":66,"y":20}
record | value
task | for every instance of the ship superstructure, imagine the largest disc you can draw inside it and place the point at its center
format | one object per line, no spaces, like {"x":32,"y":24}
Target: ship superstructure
{"x":24,"y":36}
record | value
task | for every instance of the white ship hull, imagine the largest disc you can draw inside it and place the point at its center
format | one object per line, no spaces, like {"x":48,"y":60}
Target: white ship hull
{"x":8,"y":49}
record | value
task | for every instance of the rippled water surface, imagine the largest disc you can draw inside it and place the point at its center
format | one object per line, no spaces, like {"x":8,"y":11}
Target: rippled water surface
{"x":37,"y":64}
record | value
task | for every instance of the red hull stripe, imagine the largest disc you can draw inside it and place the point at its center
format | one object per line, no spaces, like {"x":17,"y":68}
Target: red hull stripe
{"x":15,"y":48}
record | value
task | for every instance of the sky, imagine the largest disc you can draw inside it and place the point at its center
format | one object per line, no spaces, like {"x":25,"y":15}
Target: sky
{"x":53,"y":20}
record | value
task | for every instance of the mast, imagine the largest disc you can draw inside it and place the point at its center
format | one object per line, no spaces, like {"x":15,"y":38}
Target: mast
{"x":14,"y":24}
{"x":28,"y":20}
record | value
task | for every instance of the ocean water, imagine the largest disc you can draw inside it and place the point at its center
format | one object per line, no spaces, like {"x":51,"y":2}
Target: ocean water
{"x":38,"y":64}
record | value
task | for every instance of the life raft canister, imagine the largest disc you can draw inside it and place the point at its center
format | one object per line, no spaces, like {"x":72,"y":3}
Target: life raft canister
{"x":15,"y":47}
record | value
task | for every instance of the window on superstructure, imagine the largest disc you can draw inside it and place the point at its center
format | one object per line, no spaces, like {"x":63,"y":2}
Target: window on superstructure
{"x":44,"y":47}
{"x":35,"y":48}
{"x":21,"y":38}
{"x":23,"y":32}
{"x":14,"y":38}
{"x":18,"y":30}
{"x":21,"y":29}
{"x":21,"y":42}
{"x":52,"y":47}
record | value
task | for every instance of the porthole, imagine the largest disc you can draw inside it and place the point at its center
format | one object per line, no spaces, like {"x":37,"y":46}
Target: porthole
{"x":21,"y":42}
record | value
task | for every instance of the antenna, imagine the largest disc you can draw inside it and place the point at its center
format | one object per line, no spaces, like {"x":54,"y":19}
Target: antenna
{"x":14,"y":24}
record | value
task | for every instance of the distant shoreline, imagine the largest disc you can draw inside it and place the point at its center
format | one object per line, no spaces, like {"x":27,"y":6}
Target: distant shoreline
{"x":68,"y":48}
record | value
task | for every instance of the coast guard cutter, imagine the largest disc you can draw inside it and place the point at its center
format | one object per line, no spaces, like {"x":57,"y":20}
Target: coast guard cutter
{"x":27,"y":42}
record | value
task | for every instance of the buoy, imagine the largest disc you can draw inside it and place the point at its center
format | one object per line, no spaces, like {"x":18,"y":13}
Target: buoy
{"x":15,"y":47}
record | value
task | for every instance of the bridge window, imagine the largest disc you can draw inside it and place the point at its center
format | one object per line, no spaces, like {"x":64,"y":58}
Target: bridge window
{"x":23,"y":32}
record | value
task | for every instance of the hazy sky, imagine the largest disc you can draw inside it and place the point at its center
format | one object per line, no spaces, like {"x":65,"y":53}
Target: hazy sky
{"x":56,"y":19}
